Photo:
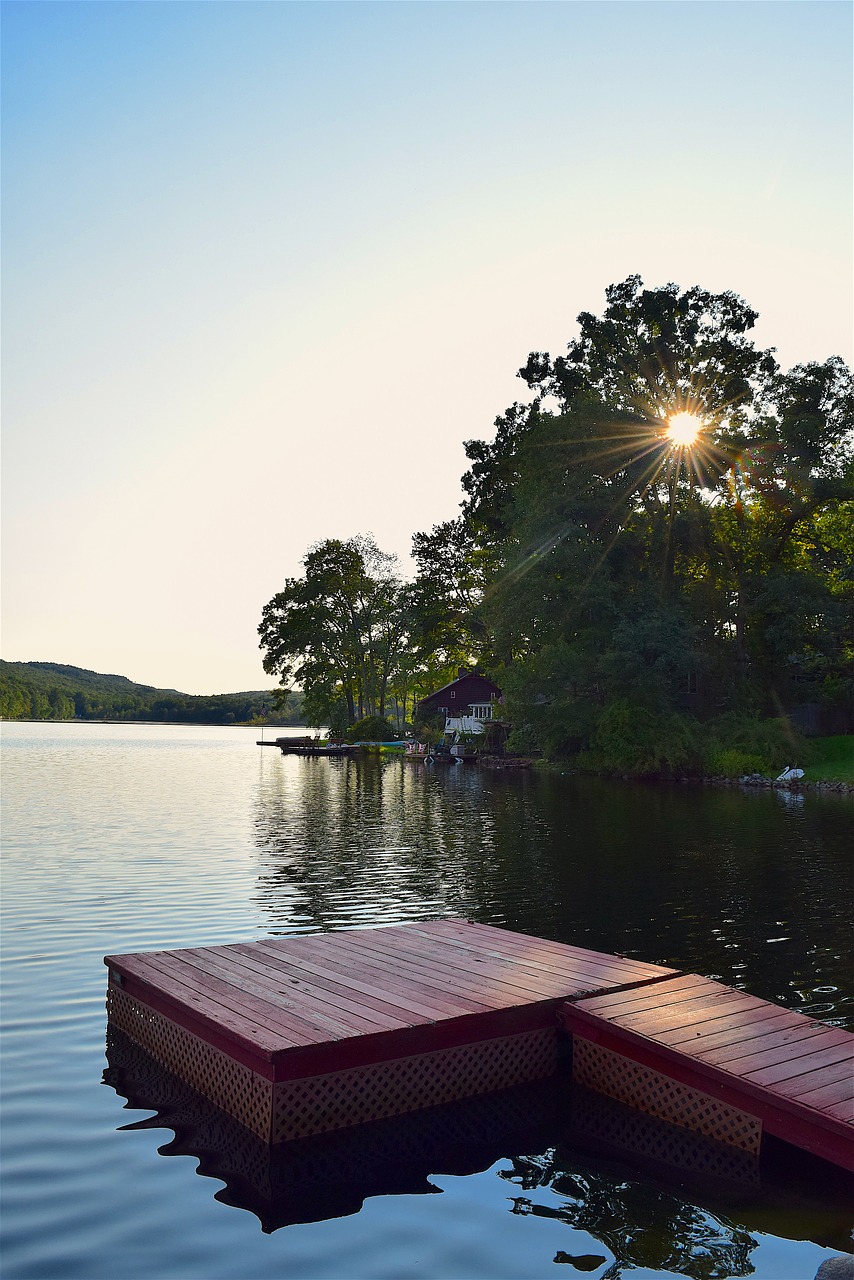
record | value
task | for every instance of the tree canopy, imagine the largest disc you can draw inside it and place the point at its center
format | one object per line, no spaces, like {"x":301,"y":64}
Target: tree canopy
{"x":338,"y":630}
{"x":607,"y":570}
{"x":709,"y":574}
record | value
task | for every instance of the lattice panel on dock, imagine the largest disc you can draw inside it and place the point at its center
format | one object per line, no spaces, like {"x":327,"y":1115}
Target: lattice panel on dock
{"x":148,"y":1084}
{"x":233,"y":1087}
{"x":344,"y":1098}
{"x":320,"y":1104}
{"x":648,"y":1090}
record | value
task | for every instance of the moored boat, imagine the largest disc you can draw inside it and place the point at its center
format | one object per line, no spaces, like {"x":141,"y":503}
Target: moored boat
{"x":310,"y":747}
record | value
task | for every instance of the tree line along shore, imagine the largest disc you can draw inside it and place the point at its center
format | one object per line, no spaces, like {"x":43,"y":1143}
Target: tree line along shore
{"x":53,"y":691}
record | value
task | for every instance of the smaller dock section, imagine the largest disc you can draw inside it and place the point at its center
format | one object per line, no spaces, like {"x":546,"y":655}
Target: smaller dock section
{"x":310,"y":1033}
{"x":720,"y":1061}
{"x":308,"y":747}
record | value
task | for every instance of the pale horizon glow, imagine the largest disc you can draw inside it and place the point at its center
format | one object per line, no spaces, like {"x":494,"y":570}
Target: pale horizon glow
{"x":267,"y":267}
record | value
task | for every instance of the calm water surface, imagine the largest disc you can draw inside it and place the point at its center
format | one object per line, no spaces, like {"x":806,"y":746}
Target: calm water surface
{"x":127,"y":838}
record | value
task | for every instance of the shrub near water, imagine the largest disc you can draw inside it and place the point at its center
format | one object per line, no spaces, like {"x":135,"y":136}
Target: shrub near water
{"x":738,"y":744}
{"x":831,"y":759}
{"x":371,"y":729}
{"x":733,"y":762}
{"x":642,"y":742}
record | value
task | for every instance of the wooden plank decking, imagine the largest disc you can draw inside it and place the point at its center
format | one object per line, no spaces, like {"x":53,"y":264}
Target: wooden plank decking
{"x":289,"y":1007}
{"x":793,"y":1074}
{"x":302,"y":1035}
{"x":309,"y":1033}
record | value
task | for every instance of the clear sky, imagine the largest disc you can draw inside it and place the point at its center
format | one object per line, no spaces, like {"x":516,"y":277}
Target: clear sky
{"x":268,"y":265}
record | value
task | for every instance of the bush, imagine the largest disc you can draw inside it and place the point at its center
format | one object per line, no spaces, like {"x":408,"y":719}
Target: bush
{"x":832,"y":759}
{"x":643,"y":742}
{"x":371,"y":729}
{"x":523,"y":741}
{"x":542,"y":701}
{"x":732,"y":762}
{"x":430,"y":724}
{"x":738,"y":743}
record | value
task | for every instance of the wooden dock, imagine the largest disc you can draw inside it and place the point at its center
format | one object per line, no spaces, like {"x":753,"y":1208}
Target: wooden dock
{"x":752,"y":1065}
{"x":311,"y":1033}
{"x":306,"y":1034}
{"x":308,"y":747}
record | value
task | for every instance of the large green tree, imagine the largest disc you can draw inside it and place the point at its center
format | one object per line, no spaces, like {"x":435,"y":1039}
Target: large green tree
{"x":620,"y":566}
{"x":338,"y":631}
{"x":454,"y":566}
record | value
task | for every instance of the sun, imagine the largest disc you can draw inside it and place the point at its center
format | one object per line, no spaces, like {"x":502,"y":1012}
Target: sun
{"x":683,"y":429}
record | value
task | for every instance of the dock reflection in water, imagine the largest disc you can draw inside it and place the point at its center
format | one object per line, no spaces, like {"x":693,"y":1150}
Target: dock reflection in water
{"x":655,"y":1196}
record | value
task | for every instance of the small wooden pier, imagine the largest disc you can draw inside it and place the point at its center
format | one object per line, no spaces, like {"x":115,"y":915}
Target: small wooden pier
{"x":308,"y":747}
{"x":312,"y":1033}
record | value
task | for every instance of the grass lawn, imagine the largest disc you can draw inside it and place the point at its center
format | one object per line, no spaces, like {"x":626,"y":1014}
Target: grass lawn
{"x":832,"y":759}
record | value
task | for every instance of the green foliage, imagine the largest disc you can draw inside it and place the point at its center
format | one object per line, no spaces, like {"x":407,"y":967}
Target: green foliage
{"x":639,"y":741}
{"x":523,"y":740}
{"x":622,"y":573}
{"x":658,"y":346}
{"x":547,"y":698}
{"x":831,"y":759}
{"x":429,"y":728}
{"x":733,"y":762}
{"x":52,"y":691}
{"x":434,"y":720}
{"x":338,"y":630}
{"x":651,"y":653}
{"x":735,"y":744}
{"x":371,"y":729}
{"x":445,"y":602}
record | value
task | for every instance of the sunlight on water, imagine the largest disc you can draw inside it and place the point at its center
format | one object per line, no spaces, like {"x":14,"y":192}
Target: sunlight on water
{"x":129,"y":838}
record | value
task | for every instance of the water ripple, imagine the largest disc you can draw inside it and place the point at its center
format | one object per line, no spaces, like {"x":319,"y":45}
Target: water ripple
{"x":129,"y":838}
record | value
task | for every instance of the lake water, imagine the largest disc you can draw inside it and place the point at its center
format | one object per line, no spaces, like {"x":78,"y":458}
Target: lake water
{"x":134,"y":837}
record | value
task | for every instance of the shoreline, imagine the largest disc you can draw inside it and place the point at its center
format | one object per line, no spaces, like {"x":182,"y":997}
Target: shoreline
{"x":754,"y":783}
{"x":163,"y":724}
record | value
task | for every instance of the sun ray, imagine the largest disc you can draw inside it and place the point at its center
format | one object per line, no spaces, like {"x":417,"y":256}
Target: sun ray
{"x":668,"y":448}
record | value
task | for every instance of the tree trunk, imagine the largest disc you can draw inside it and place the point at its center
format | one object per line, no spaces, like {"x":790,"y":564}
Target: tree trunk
{"x":740,"y":630}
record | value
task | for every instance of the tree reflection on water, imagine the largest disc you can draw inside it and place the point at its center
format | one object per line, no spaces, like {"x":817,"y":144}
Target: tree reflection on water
{"x":639,"y":1223}
{"x":709,"y":880}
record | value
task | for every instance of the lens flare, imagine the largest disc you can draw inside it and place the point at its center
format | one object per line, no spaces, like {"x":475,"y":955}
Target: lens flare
{"x":683,"y":429}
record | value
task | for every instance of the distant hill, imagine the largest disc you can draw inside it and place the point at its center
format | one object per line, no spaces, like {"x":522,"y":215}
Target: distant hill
{"x":54,"y":691}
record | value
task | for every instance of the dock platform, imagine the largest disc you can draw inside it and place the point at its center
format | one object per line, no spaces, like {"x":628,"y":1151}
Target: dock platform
{"x":308,"y":747}
{"x":308,"y":1034}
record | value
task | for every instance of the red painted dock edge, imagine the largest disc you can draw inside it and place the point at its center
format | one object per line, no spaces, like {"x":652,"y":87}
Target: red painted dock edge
{"x":308,"y":1033}
{"x":793,"y":1074}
